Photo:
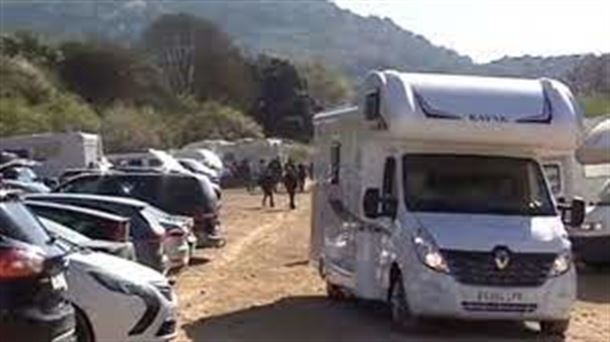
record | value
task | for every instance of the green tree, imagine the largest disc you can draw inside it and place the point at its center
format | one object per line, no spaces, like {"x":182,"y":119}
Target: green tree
{"x":28,"y":45}
{"x":284,"y":107}
{"x":105,"y":73}
{"x":326,"y":85}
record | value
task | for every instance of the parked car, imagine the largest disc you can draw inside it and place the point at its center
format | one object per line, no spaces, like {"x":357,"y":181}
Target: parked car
{"x":57,"y":230}
{"x":177,"y":194}
{"x":195,"y":166}
{"x":180,"y":241}
{"x":146,"y":234}
{"x":591,"y":241}
{"x":118,"y":300}
{"x":18,"y":174}
{"x":33,"y":305}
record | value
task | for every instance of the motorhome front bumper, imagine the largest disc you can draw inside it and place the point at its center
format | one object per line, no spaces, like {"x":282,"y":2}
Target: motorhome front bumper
{"x":436,"y":294}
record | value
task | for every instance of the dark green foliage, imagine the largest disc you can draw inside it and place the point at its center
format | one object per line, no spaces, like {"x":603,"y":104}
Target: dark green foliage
{"x":284,"y":107}
{"x":106,"y":73}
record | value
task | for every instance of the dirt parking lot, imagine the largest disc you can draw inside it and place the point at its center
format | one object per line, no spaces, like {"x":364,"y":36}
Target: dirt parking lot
{"x":260,"y":288}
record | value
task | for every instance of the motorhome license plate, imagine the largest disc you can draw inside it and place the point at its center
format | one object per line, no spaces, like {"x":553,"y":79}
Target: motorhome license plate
{"x":485,"y":296}
{"x":58,"y":282}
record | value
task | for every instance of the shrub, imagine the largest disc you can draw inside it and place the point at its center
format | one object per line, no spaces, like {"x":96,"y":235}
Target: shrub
{"x":213,"y":120}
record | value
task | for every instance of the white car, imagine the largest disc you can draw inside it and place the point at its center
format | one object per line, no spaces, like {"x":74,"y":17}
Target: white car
{"x":118,"y":300}
{"x":591,"y":241}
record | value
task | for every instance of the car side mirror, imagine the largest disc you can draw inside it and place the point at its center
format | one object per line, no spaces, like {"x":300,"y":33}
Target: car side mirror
{"x":374,"y":205}
{"x":577,"y":212}
{"x":370,"y":203}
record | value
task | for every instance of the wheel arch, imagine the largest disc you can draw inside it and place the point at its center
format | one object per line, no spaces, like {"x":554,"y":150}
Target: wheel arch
{"x":78,"y":312}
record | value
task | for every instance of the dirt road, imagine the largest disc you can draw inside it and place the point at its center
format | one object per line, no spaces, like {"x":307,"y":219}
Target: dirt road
{"x":260,"y":288}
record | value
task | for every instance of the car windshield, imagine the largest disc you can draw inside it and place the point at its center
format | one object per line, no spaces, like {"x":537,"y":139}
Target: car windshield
{"x":475,"y":184}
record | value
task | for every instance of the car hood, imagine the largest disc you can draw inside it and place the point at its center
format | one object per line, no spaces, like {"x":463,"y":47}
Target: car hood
{"x":485,"y":232}
{"x":121,"y":268}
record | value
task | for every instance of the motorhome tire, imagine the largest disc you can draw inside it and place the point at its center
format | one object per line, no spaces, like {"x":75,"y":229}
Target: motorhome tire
{"x":554,"y":328}
{"x":402,"y":317}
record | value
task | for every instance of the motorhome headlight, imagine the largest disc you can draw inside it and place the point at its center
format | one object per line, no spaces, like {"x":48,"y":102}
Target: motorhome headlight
{"x":592,"y":226}
{"x":428,"y":252}
{"x":561,"y":264}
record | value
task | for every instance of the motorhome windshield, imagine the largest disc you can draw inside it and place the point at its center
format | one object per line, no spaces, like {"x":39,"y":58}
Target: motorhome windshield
{"x":475,"y":184}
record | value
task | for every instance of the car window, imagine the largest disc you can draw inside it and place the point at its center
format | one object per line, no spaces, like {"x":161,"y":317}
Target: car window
{"x":79,"y":222}
{"x":18,"y":222}
{"x":88,"y":185}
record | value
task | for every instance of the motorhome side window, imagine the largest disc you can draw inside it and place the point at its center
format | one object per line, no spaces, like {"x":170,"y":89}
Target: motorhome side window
{"x":335,"y":163}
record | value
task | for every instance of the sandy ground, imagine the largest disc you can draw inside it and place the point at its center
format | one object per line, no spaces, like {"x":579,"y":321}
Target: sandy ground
{"x":260,"y":288}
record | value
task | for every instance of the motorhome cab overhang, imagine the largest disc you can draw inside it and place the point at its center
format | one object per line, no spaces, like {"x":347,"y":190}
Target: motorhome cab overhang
{"x":430,"y":195}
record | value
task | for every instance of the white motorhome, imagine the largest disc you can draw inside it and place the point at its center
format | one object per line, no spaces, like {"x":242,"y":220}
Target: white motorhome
{"x":592,"y":239}
{"x":56,"y":151}
{"x":430,"y":195}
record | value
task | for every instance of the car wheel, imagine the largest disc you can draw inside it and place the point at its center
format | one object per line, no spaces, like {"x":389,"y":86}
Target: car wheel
{"x":402,"y":317}
{"x":335,"y":292}
{"x":84,"y":332}
{"x":554,"y":328}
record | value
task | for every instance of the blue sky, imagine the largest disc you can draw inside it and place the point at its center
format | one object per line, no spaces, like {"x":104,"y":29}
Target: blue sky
{"x":490,"y":29}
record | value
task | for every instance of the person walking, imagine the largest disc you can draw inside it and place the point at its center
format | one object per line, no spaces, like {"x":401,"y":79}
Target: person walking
{"x":291,"y":182}
{"x":302,"y":171}
{"x":267,"y":183}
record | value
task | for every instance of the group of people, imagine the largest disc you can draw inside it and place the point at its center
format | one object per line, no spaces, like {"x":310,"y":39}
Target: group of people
{"x":268,"y":175}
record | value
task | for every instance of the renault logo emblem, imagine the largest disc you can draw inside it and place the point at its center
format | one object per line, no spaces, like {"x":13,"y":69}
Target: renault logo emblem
{"x":502,"y":258}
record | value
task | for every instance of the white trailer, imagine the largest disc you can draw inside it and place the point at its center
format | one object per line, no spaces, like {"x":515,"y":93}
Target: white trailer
{"x":430,"y":195}
{"x":56,"y":151}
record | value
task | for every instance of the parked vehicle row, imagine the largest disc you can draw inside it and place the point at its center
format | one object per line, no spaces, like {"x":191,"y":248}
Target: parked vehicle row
{"x":59,"y":284}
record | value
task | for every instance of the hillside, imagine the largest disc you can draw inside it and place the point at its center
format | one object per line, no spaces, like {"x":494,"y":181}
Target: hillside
{"x":316,"y":29}
{"x":287,"y":28}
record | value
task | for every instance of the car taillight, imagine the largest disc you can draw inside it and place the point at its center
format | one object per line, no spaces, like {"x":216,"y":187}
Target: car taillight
{"x":175,"y":232}
{"x":20,"y":263}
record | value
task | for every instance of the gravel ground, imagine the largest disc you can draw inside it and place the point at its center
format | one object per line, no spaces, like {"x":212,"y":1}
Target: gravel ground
{"x":260,"y":288}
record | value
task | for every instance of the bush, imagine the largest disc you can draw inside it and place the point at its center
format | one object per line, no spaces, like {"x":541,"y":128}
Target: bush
{"x":21,"y":79}
{"x":59,"y":114}
{"x":215,"y":121}
{"x":596,"y":104}
{"x":126,"y":129}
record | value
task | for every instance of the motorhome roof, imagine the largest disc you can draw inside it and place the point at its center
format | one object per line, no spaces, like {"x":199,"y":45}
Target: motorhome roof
{"x":467,"y":109}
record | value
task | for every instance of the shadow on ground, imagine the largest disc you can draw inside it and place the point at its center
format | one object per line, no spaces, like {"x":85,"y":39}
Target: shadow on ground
{"x":318,"y":319}
{"x":594,"y":284}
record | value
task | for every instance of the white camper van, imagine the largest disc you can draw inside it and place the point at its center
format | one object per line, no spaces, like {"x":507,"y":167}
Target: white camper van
{"x":56,"y":151}
{"x":431,"y":195}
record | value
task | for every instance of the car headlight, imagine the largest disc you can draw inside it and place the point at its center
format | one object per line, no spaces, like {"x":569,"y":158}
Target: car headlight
{"x":592,"y":226}
{"x":428,"y":252}
{"x":561,"y":264}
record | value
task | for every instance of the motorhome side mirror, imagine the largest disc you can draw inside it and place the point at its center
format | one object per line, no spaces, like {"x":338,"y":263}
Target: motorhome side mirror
{"x":577,"y":212}
{"x":370,"y":203}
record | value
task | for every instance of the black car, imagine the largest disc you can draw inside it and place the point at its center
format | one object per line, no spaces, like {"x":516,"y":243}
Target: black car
{"x":33,"y":305}
{"x":177,"y":194}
